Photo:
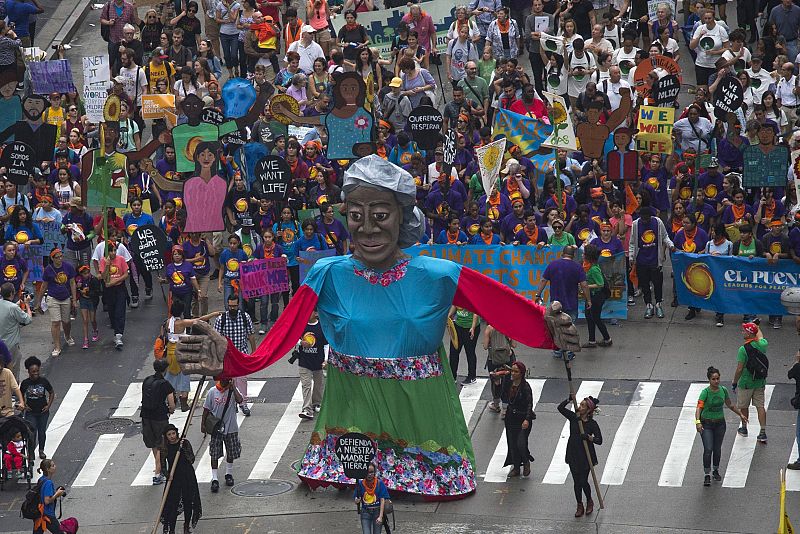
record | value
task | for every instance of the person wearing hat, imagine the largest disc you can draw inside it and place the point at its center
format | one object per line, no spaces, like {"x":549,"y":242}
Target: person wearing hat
{"x":581,"y":419}
{"x":383,"y":219}
{"x":78,"y":227}
{"x":751,"y":389}
{"x":756,"y":72}
{"x":307,"y":48}
{"x":159,"y":69}
{"x":396,"y":106}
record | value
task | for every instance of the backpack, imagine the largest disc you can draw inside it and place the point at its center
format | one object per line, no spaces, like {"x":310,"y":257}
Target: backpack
{"x":105,"y":31}
{"x":149,"y":389}
{"x":500,"y":352}
{"x":757,"y":362}
{"x":30,"y":508}
{"x":69,"y":525}
{"x":160,"y":344}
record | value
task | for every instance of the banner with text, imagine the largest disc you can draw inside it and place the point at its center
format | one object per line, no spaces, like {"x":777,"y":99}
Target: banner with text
{"x":521,"y":269}
{"x":264,"y":277}
{"x":655,"y":130}
{"x":732,"y":284}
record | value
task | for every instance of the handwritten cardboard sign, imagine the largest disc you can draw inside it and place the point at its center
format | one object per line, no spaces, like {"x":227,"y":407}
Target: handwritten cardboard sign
{"x":148,"y":245}
{"x":425,"y":125}
{"x":355,"y":452}
{"x":273,"y":177}
{"x":264,"y":277}
{"x":18,"y":159}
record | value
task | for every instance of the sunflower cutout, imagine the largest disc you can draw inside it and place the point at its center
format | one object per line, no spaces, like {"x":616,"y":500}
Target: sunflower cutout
{"x":491,"y":157}
{"x":559,"y":113}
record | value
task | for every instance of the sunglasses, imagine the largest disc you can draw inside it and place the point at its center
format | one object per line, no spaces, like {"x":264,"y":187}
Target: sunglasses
{"x":558,"y":227}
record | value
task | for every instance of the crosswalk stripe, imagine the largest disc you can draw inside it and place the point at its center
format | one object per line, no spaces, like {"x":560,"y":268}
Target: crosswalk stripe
{"x":469,"y":397}
{"x":130,"y":402}
{"x":558,"y":470}
{"x":145,"y":475}
{"x":97,"y":460}
{"x":742,"y":452}
{"x":496,"y":472}
{"x":682,"y":440}
{"x":64,"y":417}
{"x":793,"y":477}
{"x":203,"y":467}
{"x":619,"y":457}
{"x":280,"y":438}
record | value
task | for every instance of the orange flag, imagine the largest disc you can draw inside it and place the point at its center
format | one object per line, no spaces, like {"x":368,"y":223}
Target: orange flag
{"x":631,"y":204}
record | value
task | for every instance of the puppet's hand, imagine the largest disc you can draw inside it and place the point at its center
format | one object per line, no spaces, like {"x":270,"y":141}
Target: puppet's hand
{"x":203,"y":351}
{"x":561,"y":328}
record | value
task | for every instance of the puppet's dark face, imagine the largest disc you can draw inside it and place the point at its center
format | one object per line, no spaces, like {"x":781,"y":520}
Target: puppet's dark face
{"x":374,"y":218}
{"x":192,"y":107}
{"x":111,"y":136}
{"x":33,"y":108}
{"x":8,"y":89}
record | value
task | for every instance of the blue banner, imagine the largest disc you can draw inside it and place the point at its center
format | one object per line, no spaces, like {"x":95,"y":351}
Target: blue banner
{"x":733,"y":284}
{"x":521,"y":268}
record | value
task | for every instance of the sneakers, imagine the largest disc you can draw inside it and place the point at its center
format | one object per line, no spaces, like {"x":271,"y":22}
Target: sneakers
{"x":570,"y":355}
{"x":229,"y":480}
{"x":762,"y":436}
{"x":589,"y":345}
{"x":637,"y":293}
{"x":605,"y":342}
{"x":85,"y":343}
{"x":720,"y":321}
{"x":557,"y":354}
{"x":95,"y":335}
{"x":245,"y":410}
{"x":778,"y":323}
{"x":55,"y":353}
{"x":305,"y":415}
{"x":118,"y":341}
{"x":135,"y":301}
{"x":70,"y":342}
{"x":648,"y":313}
{"x":716,"y":475}
{"x":707,"y":480}
{"x":261,"y":330}
{"x":317,"y":407}
{"x":742,"y":430}
{"x":631,"y":300}
{"x":214,"y":486}
{"x":468,"y":381}
{"x":148,"y":293}
{"x":159,"y":479}
{"x":691,"y":315}
{"x":493,"y":406}
{"x":794,"y":466}
{"x":659,"y":311}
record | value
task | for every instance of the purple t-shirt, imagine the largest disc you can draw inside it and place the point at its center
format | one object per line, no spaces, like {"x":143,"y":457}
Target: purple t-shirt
{"x":697,"y":245}
{"x":12,"y":271}
{"x":335,"y":234}
{"x":57,"y":279}
{"x":203,"y":267}
{"x":564,"y":276}
{"x":794,"y":240}
{"x":703,"y":214}
{"x":608,"y":249}
{"x":647,"y":242}
{"x":180,"y":278}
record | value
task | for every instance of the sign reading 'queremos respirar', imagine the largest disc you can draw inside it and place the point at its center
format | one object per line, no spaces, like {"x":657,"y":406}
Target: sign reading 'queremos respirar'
{"x":355,"y":452}
{"x":148,"y":244}
{"x":425,"y":124}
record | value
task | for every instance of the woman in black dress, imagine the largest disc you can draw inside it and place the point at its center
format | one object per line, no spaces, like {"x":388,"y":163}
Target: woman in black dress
{"x":576,"y":455}
{"x":184,"y":495}
{"x":516,"y":392}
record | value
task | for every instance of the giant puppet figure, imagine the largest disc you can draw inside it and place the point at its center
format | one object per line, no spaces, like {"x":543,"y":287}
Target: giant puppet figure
{"x":384,"y":315}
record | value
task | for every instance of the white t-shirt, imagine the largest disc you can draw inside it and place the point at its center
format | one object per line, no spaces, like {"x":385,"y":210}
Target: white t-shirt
{"x":742,"y":63}
{"x":760,"y":82}
{"x":712,"y":39}
{"x":307,"y":54}
{"x":626,"y":61}
{"x":577,"y":83}
{"x":100,"y":250}
{"x":612,"y":91}
{"x":130,"y":83}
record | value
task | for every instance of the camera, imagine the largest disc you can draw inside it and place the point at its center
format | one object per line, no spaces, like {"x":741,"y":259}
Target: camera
{"x":64,"y":490}
{"x":295,"y":355}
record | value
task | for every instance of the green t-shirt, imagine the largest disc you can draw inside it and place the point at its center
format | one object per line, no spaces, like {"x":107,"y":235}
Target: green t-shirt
{"x":566,"y":239}
{"x":595,"y":276}
{"x":746,"y":380}
{"x":476,"y":91}
{"x":476,"y":186}
{"x":486,"y":68}
{"x":747,"y":250}
{"x":463,"y":318}
{"x":713,"y":403}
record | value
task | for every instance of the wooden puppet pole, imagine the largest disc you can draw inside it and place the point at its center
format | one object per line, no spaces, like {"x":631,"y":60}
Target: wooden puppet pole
{"x":168,"y":485}
{"x":568,"y":366}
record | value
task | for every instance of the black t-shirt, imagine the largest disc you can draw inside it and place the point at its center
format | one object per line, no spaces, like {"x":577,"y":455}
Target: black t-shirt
{"x":311,"y":358}
{"x":347,"y":36}
{"x":191,"y":29}
{"x":580,"y":13}
{"x":155,"y":390}
{"x":239,"y":204}
{"x":35,"y":393}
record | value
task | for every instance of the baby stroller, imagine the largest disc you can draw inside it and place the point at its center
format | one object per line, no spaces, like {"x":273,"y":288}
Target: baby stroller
{"x":9,"y":426}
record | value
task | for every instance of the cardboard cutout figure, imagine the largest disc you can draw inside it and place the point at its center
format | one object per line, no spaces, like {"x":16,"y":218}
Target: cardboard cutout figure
{"x":622,"y":162}
{"x":10,"y":103}
{"x":592,"y":135}
{"x":32,"y":130}
{"x":766,"y":164}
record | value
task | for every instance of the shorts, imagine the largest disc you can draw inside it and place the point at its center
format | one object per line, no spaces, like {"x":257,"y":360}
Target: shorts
{"x":744,"y":397}
{"x":88,"y":304}
{"x":153,"y":431}
{"x":323,"y":35}
{"x":702,"y":74}
{"x":58,"y":310}
{"x":233,"y":448}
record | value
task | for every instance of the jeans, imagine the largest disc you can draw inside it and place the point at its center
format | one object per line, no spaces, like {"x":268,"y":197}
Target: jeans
{"x":270,"y":305}
{"x":469,"y":347}
{"x":369,"y":525}
{"x":594,"y":319}
{"x":230,"y":49}
{"x":712,"y":435}
{"x":648,"y":274}
{"x":187,"y":303}
{"x":39,"y":422}
{"x":227,"y":290}
{"x":537,"y":66}
{"x":115,"y":299}
{"x":242,"y":58}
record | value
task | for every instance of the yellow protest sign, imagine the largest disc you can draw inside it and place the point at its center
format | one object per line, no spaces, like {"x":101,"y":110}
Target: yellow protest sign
{"x":156,"y":106}
{"x":655,"y":130}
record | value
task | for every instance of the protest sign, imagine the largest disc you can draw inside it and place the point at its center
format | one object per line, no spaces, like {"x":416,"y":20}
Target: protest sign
{"x":652,"y":8}
{"x":728,"y":97}
{"x":655,"y":130}
{"x":96,"y":70}
{"x":490,"y":158}
{"x":733,"y":284}
{"x":18,"y":159}
{"x":212,"y":116}
{"x":34,"y":257}
{"x":54,"y":76}
{"x":563,"y":135}
{"x":527,"y":133}
{"x":425,"y":125}
{"x":666,"y":90}
{"x":51,"y":235}
{"x":147,"y":246}
{"x":450,"y":150}
{"x":661,"y":65}
{"x":272,"y":178}
{"x":263,"y":277}
{"x":380,"y":25}
{"x":552,"y":43}
{"x":154,"y":106}
{"x":307,"y":258}
{"x":765,"y":169}
{"x":355,"y":453}
{"x":521,"y":268}
{"x":94,"y":98}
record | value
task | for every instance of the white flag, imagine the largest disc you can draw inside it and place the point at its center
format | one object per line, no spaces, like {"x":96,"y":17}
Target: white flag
{"x":563,"y":135}
{"x":490,"y":158}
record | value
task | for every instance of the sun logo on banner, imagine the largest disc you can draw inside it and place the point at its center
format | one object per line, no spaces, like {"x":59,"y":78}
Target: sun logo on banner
{"x":61,"y":278}
{"x":232,"y":265}
{"x":649,"y":237}
{"x":21,"y":237}
{"x":178,"y":279}
{"x":309,"y":339}
{"x":698,"y":280}
{"x":10,"y":272}
{"x":491,"y":157}
{"x":559,"y":113}
{"x":241,"y":205}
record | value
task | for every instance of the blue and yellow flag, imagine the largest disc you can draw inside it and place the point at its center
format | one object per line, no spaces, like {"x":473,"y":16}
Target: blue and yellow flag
{"x":527,"y":133}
